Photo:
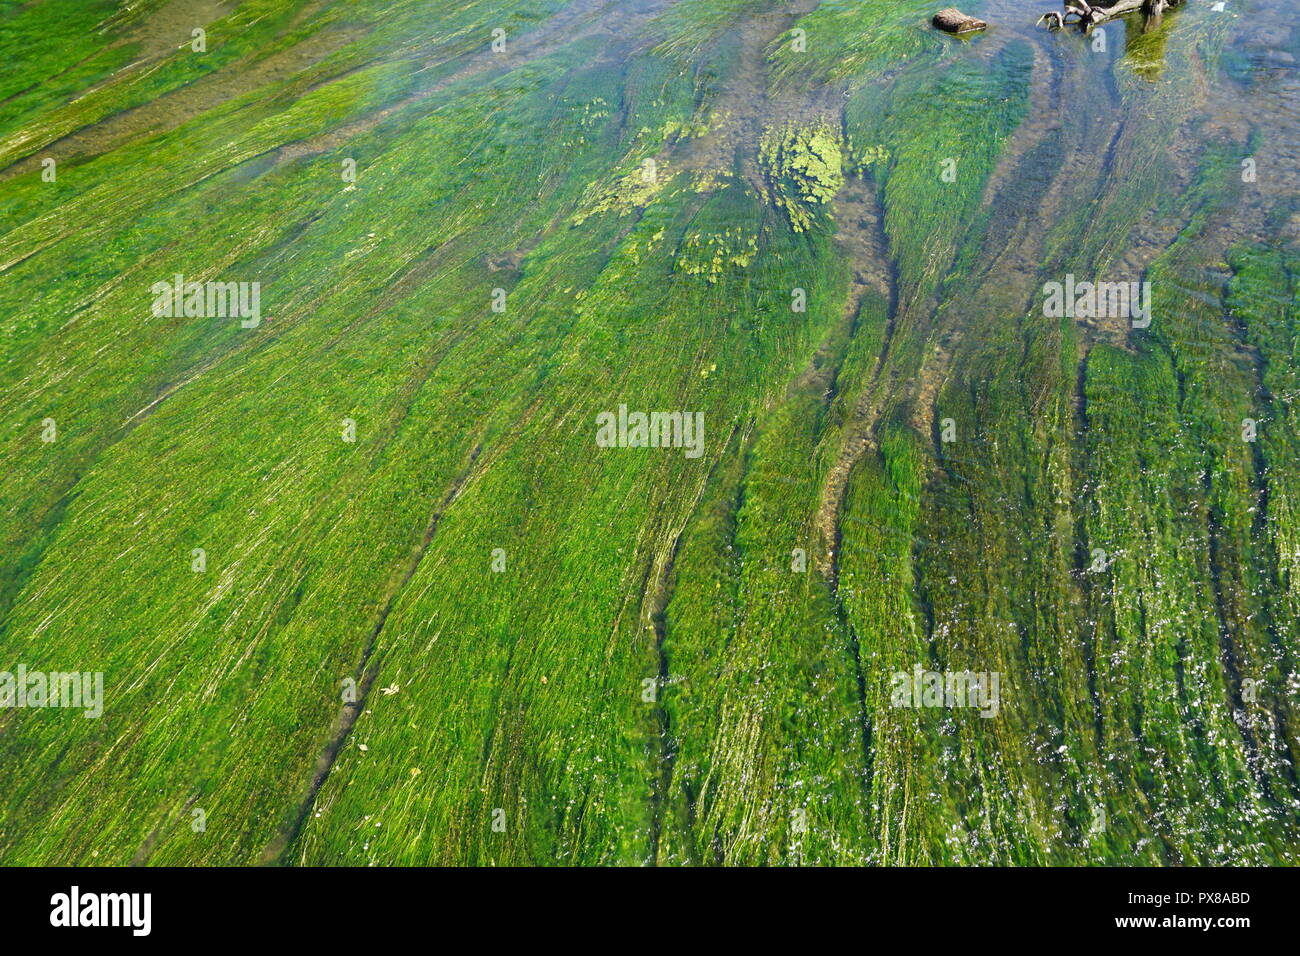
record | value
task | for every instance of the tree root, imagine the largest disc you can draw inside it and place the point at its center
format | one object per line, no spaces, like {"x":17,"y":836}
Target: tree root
{"x":1086,"y":16}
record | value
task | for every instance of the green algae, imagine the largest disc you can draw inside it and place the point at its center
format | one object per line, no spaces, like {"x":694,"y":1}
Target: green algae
{"x":578,"y":654}
{"x":805,"y":169}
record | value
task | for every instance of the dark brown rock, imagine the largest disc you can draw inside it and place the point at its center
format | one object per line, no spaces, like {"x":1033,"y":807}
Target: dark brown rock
{"x":954,"y":21}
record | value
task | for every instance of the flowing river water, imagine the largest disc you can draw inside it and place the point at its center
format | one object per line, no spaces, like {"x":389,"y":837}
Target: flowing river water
{"x":437,"y":618}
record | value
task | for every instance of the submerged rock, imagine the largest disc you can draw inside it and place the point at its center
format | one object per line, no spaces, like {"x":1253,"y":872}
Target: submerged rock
{"x":954,"y":21}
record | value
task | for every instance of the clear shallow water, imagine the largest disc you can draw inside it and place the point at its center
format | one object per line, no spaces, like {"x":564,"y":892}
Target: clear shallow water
{"x":918,"y":468}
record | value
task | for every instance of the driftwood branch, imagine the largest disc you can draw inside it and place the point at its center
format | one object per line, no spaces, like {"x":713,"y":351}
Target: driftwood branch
{"x":1086,"y":15}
